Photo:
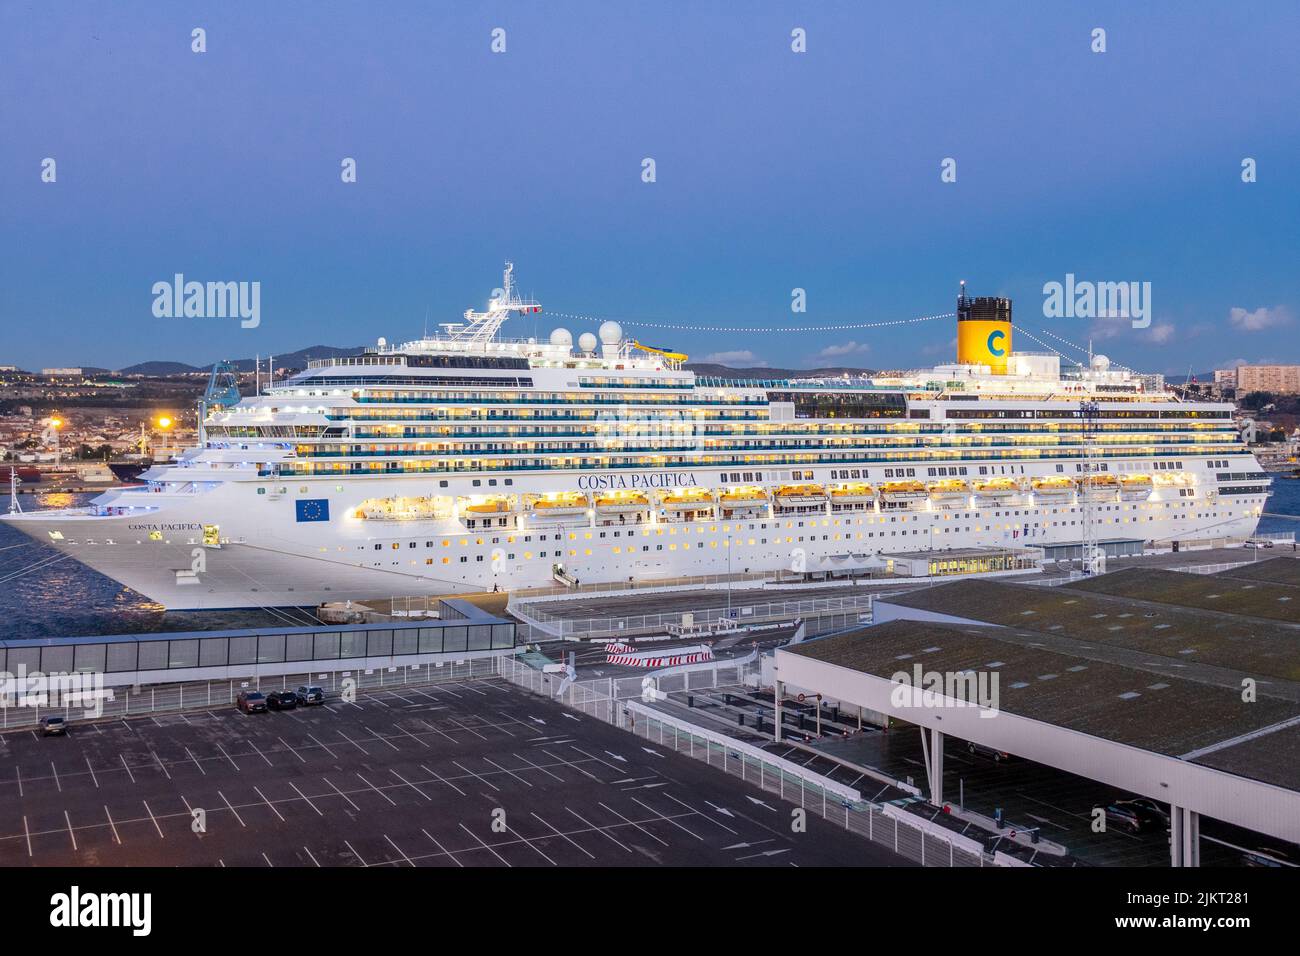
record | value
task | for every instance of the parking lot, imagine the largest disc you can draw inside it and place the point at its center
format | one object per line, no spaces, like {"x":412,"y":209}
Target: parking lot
{"x":466,"y":773}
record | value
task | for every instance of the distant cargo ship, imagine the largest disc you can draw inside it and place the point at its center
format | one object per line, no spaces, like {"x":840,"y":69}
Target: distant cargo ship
{"x":463,"y":461}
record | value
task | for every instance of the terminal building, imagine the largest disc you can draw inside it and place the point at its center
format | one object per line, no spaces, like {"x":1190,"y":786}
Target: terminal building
{"x":1181,"y":688}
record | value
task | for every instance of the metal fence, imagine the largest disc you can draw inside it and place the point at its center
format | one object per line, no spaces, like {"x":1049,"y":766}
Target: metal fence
{"x":25,"y":710}
{"x":539,"y":624}
{"x":614,"y":701}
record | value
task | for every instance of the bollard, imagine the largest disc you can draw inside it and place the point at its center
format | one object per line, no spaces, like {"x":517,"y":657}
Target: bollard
{"x":690,"y":700}
{"x":740,"y":719}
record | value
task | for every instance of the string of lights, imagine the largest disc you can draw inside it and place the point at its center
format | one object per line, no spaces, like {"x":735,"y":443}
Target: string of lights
{"x":680,"y":327}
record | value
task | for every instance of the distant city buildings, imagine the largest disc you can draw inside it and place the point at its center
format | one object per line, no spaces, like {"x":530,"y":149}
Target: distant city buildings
{"x":61,"y":372}
{"x":1277,"y":379}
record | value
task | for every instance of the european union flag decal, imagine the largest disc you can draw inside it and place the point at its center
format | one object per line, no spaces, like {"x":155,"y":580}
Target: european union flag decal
{"x":312,"y":509}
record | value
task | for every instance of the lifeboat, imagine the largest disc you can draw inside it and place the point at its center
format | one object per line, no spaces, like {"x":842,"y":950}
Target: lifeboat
{"x":396,"y":509}
{"x":493,"y":506}
{"x":948,"y":490}
{"x":688,"y":500}
{"x":564,"y":503}
{"x":1054,"y":488}
{"x":1135,"y":487}
{"x":853,"y":494}
{"x":743,"y":498}
{"x":795,"y":495}
{"x":898,"y":491}
{"x":620,"y":504}
{"x":998,"y":489}
{"x":1098,"y":487}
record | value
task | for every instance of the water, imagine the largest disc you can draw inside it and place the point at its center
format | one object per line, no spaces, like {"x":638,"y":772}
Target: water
{"x":68,"y":599}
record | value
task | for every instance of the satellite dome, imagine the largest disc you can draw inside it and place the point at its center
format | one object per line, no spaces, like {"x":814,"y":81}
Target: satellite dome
{"x":562,"y":337}
{"x":611,"y":333}
{"x":587,"y":342}
{"x":382,"y":341}
{"x":1100,"y":363}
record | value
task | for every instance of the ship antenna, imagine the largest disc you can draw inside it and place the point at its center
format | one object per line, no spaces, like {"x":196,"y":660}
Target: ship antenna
{"x":14,"y":506}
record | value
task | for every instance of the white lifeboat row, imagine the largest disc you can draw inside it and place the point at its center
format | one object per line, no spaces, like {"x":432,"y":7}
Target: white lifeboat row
{"x":950,"y":492}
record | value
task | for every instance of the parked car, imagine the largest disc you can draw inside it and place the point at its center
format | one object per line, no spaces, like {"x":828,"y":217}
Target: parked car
{"x":1152,"y":808}
{"x":1260,"y":543}
{"x":979,"y":750}
{"x":251,"y":702}
{"x":53,"y":725}
{"x":282,"y":700}
{"x":310,"y":695}
{"x":1130,"y":816}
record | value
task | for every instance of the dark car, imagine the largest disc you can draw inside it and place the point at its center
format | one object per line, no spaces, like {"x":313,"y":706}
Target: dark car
{"x":282,"y":700}
{"x":1130,"y":815}
{"x":251,"y":702}
{"x":53,"y":725}
{"x":979,"y":750}
{"x":1154,"y":809}
{"x":310,"y":695}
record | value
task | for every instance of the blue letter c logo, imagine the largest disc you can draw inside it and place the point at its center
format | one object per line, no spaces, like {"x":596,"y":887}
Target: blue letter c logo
{"x":993,"y":350}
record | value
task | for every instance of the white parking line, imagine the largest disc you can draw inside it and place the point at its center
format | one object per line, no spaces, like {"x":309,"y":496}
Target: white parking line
{"x":127,"y":767}
{"x":699,"y":813}
{"x":161,"y":766}
{"x":481,"y":779}
{"x":485,"y":846}
{"x":573,"y":765}
{"x":19,"y":774}
{"x":422,"y":743}
{"x":398,"y":849}
{"x":511,"y":772}
{"x":196,"y":762}
{"x":637,"y":825}
{"x":232,"y":809}
{"x":309,"y":803}
{"x":227,"y":756}
{"x":27,"y":833}
{"x":267,"y":859}
{"x":56,"y":776}
{"x":442,"y":779}
{"x":383,"y":739}
{"x":348,"y":739}
{"x":313,"y":858}
{"x":323,"y":747}
{"x":154,"y":819}
{"x":259,"y":792}
{"x":376,"y":789}
{"x":563,"y":836}
{"x":600,"y":830}
{"x":93,"y":778}
{"x":68,"y":820}
{"x":667,"y":819}
{"x":293,"y":751}
{"x":343,"y":795}
{"x":353,"y":851}
{"x":436,"y":730}
{"x":411,"y":785}
{"x":260,"y":754}
{"x":112,"y":825}
{"x":538,"y":767}
{"x":470,"y":729}
{"x":442,"y":848}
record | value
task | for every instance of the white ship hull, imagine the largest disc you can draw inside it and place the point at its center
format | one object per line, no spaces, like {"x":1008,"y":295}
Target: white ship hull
{"x":267,"y":557}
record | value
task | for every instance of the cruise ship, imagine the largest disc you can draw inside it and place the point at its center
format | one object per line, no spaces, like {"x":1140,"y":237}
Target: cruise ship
{"x":470,"y":461}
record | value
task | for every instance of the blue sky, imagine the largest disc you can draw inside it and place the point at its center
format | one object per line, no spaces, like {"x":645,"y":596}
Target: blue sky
{"x":775,"y":171}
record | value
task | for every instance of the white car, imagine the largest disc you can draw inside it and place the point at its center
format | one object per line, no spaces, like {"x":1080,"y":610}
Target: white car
{"x":1259,"y":543}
